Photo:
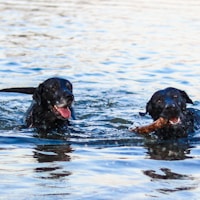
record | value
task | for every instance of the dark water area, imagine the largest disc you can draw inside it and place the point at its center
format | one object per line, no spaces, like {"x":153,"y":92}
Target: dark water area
{"x":116,"y":54}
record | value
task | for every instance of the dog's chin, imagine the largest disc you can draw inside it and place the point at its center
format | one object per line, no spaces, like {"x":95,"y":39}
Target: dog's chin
{"x":61,"y":112}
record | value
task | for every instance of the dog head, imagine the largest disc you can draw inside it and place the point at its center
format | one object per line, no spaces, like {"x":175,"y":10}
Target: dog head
{"x":170,"y":104}
{"x":55,"y":95}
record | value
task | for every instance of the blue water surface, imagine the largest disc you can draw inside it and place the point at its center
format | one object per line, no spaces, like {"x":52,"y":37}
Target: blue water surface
{"x":116,"y":54}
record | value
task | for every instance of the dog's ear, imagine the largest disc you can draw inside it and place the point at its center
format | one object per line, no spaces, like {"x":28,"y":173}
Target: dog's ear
{"x":148,"y":109}
{"x":186,"y":97}
{"x":37,"y":96}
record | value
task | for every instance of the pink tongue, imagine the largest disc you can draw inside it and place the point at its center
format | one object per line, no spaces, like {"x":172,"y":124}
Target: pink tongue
{"x":64,"y":112}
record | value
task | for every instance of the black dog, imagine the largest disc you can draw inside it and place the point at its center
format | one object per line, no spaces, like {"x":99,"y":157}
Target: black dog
{"x":52,"y":104}
{"x":170,"y":104}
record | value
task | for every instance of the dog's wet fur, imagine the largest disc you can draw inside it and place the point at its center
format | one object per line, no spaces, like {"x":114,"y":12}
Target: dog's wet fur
{"x":171,"y":104}
{"x":51,"y":106}
{"x":52,"y":102}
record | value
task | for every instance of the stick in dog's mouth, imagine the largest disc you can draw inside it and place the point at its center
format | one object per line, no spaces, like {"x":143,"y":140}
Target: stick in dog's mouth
{"x":158,"y":124}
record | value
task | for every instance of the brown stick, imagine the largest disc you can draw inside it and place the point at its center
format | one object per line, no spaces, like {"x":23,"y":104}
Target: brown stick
{"x":159,"y":123}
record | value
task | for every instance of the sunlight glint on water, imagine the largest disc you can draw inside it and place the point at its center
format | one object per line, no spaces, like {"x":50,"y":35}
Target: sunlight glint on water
{"x":116,"y":53}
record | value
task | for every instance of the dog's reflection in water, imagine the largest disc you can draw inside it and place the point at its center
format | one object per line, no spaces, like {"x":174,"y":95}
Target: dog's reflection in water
{"x":51,"y":156}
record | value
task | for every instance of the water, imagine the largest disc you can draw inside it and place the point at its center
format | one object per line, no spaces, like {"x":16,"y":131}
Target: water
{"x":116,"y":54}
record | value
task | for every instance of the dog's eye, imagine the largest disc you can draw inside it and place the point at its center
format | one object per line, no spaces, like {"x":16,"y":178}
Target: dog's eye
{"x":159,"y":101}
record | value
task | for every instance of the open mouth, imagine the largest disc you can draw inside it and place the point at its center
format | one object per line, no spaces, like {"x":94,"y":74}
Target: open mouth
{"x":174,"y":120}
{"x":64,"y":112}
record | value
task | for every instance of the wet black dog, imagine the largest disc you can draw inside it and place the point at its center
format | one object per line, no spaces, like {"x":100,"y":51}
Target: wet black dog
{"x":170,"y":103}
{"x":52,"y":104}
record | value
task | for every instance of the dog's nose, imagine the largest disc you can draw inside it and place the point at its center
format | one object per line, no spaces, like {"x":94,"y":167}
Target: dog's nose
{"x":170,"y":106}
{"x":68,"y":98}
{"x":171,"y":109}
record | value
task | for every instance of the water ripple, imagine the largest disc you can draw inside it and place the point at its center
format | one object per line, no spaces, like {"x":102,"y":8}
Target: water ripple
{"x":116,"y":53}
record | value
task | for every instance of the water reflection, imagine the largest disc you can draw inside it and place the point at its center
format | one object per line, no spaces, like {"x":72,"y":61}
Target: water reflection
{"x":168,"y":190}
{"x":52,"y":154}
{"x":116,"y":53}
{"x":168,"y":174}
{"x":168,"y":150}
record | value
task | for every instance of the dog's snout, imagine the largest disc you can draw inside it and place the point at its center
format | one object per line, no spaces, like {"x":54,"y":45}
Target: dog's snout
{"x":67,"y":98}
{"x":170,"y":110}
{"x":71,"y":99}
{"x":170,"y":106}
